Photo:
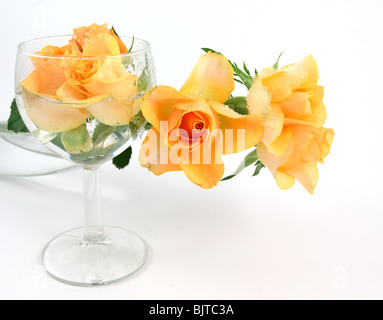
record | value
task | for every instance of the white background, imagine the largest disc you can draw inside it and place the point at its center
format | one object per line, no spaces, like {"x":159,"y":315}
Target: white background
{"x":245,"y":239}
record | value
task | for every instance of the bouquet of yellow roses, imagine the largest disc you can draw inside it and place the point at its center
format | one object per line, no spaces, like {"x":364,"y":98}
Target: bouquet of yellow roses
{"x":190,"y":129}
{"x":282,"y":117}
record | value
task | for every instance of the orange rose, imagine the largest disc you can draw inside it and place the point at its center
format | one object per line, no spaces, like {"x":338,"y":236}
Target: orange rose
{"x":83,"y":34}
{"x":294,"y":140}
{"x":193,"y":129}
{"x":86,"y":75}
{"x":40,"y":92}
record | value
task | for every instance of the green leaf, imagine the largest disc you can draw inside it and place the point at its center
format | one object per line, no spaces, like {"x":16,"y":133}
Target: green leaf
{"x":207,"y":50}
{"x":133,"y":130}
{"x":245,"y":78}
{"x":228,"y":178}
{"x":44,"y":136}
{"x":258,"y":169}
{"x":15,"y":123}
{"x":251,"y":158}
{"x":144,"y":80}
{"x":276,"y":65}
{"x":101,"y":132}
{"x":246,"y":69}
{"x":77,"y":140}
{"x":239,"y":81}
{"x":114,"y":30}
{"x":239,"y":105}
{"x":126,"y":63}
{"x":139,"y":122}
{"x":123,"y":160}
{"x":131,"y":47}
{"x":58,"y":142}
{"x":148,"y":126}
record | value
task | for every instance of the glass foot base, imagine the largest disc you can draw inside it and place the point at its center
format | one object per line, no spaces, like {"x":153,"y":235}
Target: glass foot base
{"x":68,"y":259}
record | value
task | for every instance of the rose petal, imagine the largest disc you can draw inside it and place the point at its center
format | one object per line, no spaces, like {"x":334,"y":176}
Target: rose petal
{"x":123,"y":48}
{"x":316,"y":93}
{"x":46,"y":79}
{"x":194,"y":105}
{"x":284,"y":181}
{"x":209,"y":170}
{"x":52,"y":116}
{"x":237,"y":124}
{"x":158,"y":104}
{"x":31,"y":83}
{"x":154,"y":155}
{"x":83,"y":34}
{"x":51,"y":51}
{"x":136,"y":106}
{"x":77,"y":98}
{"x":296,"y":105}
{"x":302,"y":135}
{"x":281,"y":83}
{"x":277,"y":83}
{"x":306,"y":105}
{"x":281,"y":144}
{"x":313,"y":153}
{"x":68,"y":50}
{"x":304,"y":73}
{"x":123,"y":88}
{"x":212,"y":78}
{"x":324,"y":139}
{"x":69,"y":94}
{"x":289,"y":122}
{"x":111,"y":79}
{"x":102,"y":44}
{"x":113,"y":112}
{"x":259,"y":99}
{"x":272,"y":162}
{"x":190,"y":123}
{"x":205,"y":176}
{"x":306,"y":173}
{"x":273,"y":125}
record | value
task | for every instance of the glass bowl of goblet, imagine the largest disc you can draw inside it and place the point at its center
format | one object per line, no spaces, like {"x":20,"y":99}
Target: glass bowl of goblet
{"x":86,"y":109}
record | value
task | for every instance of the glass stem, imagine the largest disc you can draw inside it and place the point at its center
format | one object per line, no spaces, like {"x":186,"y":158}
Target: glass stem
{"x":94,"y":227}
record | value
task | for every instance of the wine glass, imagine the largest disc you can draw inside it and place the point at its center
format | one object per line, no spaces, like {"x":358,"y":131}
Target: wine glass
{"x":87,"y":110}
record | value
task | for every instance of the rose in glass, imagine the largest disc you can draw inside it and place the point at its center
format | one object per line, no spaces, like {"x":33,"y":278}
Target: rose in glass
{"x":85,"y":78}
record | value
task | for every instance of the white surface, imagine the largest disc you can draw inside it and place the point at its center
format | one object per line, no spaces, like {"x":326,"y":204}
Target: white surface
{"x":245,"y":239}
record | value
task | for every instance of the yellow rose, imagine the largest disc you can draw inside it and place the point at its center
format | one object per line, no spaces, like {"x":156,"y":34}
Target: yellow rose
{"x":294,"y":140}
{"x":99,"y":83}
{"x":192,"y":128}
{"x":83,"y":34}
{"x":40,"y":91}
{"x":85,"y":75}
